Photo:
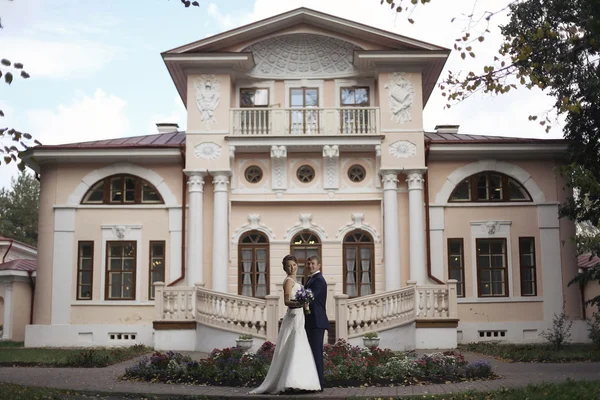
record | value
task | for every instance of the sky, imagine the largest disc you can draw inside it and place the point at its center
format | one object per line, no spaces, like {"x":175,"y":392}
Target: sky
{"x":96,"y":70}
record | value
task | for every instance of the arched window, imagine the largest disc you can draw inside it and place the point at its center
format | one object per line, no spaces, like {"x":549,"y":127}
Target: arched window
{"x":253,"y":265}
{"x":489,"y":186}
{"x":359,"y":265}
{"x":304,"y":245}
{"x":122,"y":189}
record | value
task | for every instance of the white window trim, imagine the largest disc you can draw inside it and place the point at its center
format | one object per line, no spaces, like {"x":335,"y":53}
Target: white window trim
{"x":344,"y":83}
{"x":246,"y":84}
{"x":479,"y":230}
{"x":307,"y":83}
{"x":133,"y":233}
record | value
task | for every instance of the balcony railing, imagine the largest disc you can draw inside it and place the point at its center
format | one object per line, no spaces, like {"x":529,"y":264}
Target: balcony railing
{"x":304,"y":121}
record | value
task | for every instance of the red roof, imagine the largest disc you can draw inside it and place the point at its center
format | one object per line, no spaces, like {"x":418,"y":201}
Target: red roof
{"x":584,"y":261}
{"x":2,"y":238}
{"x":19,"y":265}
{"x":177,"y":139}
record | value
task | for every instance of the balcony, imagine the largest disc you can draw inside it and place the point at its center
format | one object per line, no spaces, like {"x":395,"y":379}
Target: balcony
{"x":304,"y":121}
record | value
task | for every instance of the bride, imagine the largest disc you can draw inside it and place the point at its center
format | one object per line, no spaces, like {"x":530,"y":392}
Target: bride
{"x":293,"y":366}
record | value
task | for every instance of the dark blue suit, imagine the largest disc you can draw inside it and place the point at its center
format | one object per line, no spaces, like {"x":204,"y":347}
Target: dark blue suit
{"x":317,"y":322}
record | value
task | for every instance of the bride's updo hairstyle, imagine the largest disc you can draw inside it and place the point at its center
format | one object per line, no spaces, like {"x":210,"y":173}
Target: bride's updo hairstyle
{"x":287,"y":258}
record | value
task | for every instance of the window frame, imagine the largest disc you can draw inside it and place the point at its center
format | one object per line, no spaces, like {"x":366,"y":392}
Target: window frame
{"x":81,"y":243}
{"x":358,"y":245}
{"x":505,"y":267}
{"x":460,"y":283}
{"x":305,"y":246}
{"x":532,"y":267}
{"x":106,"y":189}
{"x":254,"y":246}
{"x":164,"y":265}
{"x":107,"y":271}
{"x":354,"y":87}
{"x":304,"y":109}
{"x":505,"y":192}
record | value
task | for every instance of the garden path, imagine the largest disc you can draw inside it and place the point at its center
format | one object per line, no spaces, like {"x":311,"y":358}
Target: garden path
{"x":106,"y":380}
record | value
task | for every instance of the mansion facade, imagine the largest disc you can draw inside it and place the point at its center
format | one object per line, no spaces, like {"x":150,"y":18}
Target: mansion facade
{"x":304,"y":136}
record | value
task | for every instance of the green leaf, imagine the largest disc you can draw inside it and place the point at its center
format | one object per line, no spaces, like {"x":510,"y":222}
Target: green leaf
{"x":7,"y":159}
{"x":5,"y":62}
{"x":8,"y":78}
{"x":24,"y":75}
{"x":18,"y":65}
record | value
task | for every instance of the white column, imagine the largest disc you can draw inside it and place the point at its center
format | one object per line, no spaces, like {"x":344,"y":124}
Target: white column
{"x":391,"y":241}
{"x":550,"y":259}
{"x":194,"y":265}
{"x":418,"y":268}
{"x":63,"y":258}
{"x":7,"y":333}
{"x":220,"y":262}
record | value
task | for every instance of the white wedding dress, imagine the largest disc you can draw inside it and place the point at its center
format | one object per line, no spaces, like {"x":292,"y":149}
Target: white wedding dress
{"x":293,"y":365}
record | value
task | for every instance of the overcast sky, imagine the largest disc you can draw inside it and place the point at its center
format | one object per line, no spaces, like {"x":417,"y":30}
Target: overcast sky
{"x":96,"y":70}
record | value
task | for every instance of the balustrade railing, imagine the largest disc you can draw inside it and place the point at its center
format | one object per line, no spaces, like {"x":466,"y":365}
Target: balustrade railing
{"x":174,"y":303}
{"x":304,"y":121}
{"x":354,"y":317}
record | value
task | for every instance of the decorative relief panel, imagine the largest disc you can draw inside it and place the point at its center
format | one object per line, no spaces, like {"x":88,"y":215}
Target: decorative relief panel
{"x":302,"y":55}
{"x":358,"y":223}
{"x":401,"y":96}
{"x":403,"y":149}
{"x":278,"y":167}
{"x":207,"y":151}
{"x":208,"y":94}
{"x":331,"y":173}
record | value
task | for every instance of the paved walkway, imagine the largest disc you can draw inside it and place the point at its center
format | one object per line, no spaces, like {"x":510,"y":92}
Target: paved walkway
{"x":106,"y":380}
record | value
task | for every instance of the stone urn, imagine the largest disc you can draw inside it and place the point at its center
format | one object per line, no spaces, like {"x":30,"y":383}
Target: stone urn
{"x":370,"y":341}
{"x":244,"y":344}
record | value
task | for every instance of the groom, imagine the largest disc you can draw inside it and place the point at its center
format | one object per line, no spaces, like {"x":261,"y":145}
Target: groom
{"x":316,"y":322}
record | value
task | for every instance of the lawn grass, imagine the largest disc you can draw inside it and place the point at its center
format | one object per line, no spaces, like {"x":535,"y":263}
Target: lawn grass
{"x":9,"y":391}
{"x":58,"y":357}
{"x":542,"y":353}
{"x":10,"y":344}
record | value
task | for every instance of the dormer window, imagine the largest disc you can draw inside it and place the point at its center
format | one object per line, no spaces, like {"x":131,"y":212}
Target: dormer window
{"x":122,"y":189}
{"x":489,"y":186}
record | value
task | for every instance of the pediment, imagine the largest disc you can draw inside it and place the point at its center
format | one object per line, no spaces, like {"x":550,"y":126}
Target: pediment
{"x":305,"y":17}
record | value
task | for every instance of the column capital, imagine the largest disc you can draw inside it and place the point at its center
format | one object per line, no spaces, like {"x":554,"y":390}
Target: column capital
{"x":8,"y":286}
{"x":195,"y":180}
{"x":278,"y":151}
{"x":331,"y":151}
{"x":415,"y":179}
{"x":220,"y":180}
{"x":389,"y":177}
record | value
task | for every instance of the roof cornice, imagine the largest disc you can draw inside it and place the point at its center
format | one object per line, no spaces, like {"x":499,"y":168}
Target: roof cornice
{"x":457,"y":151}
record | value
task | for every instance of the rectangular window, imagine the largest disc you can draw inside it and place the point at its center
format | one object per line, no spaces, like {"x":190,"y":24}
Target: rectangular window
{"x":492,"y":270}
{"x":85,"y":270}
{"x":456,"y":264}
{"x":527,"y":263}
{"x":157,"y":265}
{"x":354,"y":119}
{"x":120,"y":270}
{"x":305,"y":121}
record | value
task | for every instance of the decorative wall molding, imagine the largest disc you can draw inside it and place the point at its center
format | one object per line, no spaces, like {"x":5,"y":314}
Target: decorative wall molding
{"x":357,"y":223}
{"x":207,"y":151}
{"x":253,"y":224}
{"x":514,"y":171}
{"x":403,"y":149}
{"x":305,"y":224}
{"x":400,"y":97}
{"x":208,"y":94}
{"x":492,"y":228}
{"x":331,"y":172}
{"x":278,"y":168}
{"x":302,"y":54}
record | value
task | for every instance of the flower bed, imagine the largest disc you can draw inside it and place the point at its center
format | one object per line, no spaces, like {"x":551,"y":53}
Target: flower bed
{"x":345,"y":365}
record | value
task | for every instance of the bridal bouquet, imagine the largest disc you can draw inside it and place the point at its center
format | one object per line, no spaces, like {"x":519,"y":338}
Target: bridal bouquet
{"x":304,"y":297}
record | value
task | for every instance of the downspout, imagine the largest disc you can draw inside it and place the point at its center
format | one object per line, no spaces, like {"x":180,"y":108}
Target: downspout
{"x":183,"y":208}
{"x":32,"y":285}
{"x":582,"y":294}
{"x":427,"y":229}
{"x":7,"y":250}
